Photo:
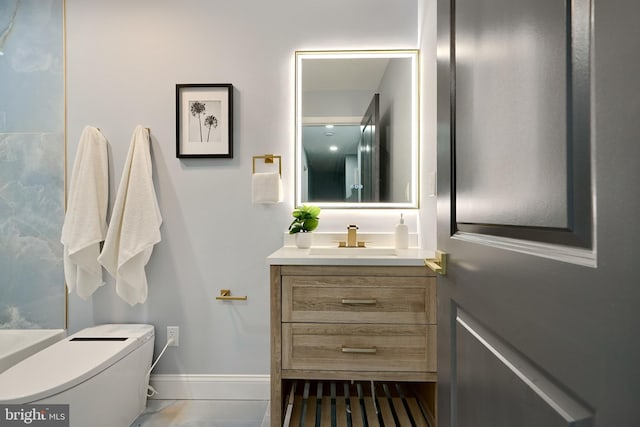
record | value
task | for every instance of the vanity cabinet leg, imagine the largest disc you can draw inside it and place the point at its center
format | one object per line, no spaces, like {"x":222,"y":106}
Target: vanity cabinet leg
{"x":276,"y":346}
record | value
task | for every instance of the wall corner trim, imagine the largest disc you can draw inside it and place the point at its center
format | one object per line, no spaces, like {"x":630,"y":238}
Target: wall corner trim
{"x":211,"y":387}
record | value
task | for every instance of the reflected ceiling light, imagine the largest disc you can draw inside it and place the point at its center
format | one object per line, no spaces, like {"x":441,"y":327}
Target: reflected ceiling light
{"x":328,"y":126}
{"x":328,"y":134}
{"x":333,"y":148}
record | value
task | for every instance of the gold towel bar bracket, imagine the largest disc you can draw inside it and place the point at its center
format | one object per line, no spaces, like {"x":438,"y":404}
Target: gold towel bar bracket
{"x":268,"y":158}
{"x":225,"y":295}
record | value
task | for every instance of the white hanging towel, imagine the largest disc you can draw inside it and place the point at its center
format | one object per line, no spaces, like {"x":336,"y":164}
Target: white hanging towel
{"x":85,"y":221}
{"x":135,"y":223}
{"x":266,"y":187}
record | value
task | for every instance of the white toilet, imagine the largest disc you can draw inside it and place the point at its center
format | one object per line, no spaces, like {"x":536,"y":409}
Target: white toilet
{"x":100,"y":372}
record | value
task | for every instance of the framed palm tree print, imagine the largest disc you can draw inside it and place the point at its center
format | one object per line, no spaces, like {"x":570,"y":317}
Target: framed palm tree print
{"x":204,"y":120}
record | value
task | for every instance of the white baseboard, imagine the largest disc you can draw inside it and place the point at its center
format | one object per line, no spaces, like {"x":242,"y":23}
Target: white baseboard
{"x":222,"y":387}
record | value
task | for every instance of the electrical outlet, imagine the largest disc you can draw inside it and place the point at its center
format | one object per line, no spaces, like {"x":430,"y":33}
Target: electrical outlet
{"x":173,"y":332}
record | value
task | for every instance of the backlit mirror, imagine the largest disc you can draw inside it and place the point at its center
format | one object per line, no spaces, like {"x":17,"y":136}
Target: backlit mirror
{"x":357,"y":129}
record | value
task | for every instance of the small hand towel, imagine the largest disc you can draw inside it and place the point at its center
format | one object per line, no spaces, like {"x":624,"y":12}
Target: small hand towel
{"x":85,"y":221}
{"x":266,"y":187}
{"x":135,"y":223}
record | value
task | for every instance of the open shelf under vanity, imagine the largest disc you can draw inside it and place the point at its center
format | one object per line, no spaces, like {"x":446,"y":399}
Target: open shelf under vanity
{"x":358,"y":403}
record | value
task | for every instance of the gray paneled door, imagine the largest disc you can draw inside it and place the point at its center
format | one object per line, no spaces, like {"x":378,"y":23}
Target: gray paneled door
{"x":539,"y":211}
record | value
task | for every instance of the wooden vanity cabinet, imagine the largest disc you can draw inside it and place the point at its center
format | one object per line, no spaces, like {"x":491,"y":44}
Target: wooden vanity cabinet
{"x":361,"y":323}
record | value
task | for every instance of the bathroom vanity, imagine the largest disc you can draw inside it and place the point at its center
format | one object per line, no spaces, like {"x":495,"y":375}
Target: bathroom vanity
{"x":360,"y":326}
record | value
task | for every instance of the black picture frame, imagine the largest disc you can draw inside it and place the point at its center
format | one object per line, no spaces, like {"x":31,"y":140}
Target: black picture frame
{"x":204,"y":120}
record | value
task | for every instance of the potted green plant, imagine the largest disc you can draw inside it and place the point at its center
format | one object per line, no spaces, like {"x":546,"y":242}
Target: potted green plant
{"x":305,"y":220}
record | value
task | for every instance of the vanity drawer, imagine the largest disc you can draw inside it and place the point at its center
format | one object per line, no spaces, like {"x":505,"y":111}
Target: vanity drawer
{"x":336,"y":299}
{"x":359,"y":347}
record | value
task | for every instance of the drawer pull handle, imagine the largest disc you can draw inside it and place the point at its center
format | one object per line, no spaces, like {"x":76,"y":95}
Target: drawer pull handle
{"x":359,"y":301}
{"x":368,"y":350}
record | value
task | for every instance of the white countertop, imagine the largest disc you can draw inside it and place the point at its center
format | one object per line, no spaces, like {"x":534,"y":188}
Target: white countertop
{"x":291,"y":255}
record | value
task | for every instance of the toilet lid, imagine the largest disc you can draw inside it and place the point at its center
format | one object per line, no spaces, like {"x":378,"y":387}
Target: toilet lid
{"x":65,"y":364}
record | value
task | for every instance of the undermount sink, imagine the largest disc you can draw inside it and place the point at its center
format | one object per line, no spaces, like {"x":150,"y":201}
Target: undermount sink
{"x":352,"y":251}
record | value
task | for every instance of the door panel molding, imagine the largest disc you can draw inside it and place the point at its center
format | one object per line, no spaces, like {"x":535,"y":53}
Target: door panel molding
{"x":506,"y":380}
{"x":573,"y":255}
{"x":580,"y":198}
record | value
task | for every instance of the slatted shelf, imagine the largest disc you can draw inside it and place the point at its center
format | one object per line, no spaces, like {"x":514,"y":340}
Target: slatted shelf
{"x":353,"y":404}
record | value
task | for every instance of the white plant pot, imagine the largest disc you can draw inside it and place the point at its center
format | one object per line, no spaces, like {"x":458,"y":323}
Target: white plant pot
{"x":303,"y":240}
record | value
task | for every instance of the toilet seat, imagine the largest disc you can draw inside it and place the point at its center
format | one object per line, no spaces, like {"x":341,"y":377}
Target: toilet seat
{"x":70,"y":362}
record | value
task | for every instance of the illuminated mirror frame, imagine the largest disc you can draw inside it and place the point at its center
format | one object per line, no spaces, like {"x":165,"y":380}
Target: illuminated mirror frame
{"x":349,"y":54}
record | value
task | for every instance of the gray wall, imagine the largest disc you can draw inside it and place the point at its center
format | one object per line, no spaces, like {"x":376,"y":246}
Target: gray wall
{"x":123,"y":61}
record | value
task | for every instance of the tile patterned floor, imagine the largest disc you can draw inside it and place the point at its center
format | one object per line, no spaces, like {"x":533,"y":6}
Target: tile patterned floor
{"x":204,"y":413}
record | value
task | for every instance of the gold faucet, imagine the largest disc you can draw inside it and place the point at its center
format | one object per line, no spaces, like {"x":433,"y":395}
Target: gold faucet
{"x":352,"y":238}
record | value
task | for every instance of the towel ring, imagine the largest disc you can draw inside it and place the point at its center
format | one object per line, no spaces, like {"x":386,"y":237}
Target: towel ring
{"x":268,"y":158}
